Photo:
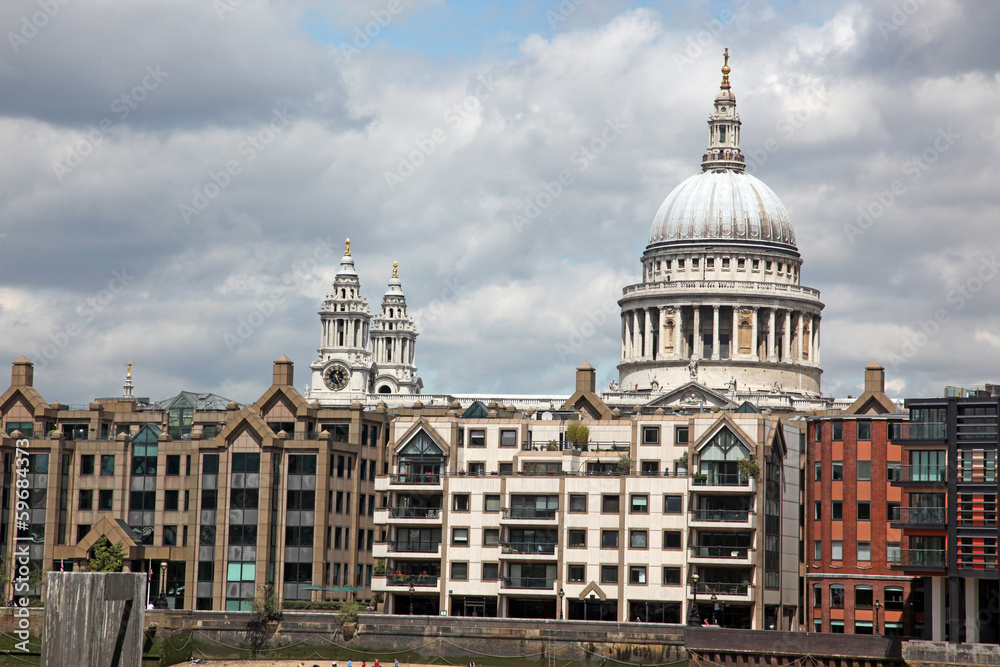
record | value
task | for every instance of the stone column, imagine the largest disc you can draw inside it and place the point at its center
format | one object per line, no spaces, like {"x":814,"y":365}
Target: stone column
{"x":623,"y":339}
{"x":648,"y":347}
{"x":678,"y":333}
{"x":715,"y":332}
{"x":816,"y":340}
{"x":696,"y":334}
{"x":770,"y":335}
{"x":799,"y":337}
{"x":734,"y":336}
{"x":754,"y":343}
{"x":972,"y":610}
{"x":786,"y":338}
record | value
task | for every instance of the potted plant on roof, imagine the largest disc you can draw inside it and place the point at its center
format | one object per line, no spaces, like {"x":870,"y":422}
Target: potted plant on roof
{"x":578,"y":434}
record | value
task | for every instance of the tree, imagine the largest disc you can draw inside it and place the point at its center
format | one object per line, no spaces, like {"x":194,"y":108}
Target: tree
{"x":624,"y":463}
{"x":749,"y":467}
{"x":577,"y":433}
{"x":107,"y":557}
{"x":264,"y":619}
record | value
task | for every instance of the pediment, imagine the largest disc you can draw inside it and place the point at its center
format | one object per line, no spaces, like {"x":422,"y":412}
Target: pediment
{"x":691,"y":395}
{"x":592,"y":587}
{"x":424,"y":437}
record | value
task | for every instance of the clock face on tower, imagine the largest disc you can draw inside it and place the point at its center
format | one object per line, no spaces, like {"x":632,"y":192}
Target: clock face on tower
{"x":336,"y":377}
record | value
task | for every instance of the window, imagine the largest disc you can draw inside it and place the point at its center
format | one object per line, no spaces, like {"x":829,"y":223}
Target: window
{"x":817,"y":595}
{"x":837,"y":471}
{"x":577,"y":537}
{"x":836,"y":627}
{"x":864,"y":430}
{"x":671,"y":576}
{"x":577,"y":502}
{"x":894,"y":552}
{"x":864,"y":551}
{"x":610,"y":504}
{"x":864,"y":511}
{"x":818,"y":471}
{"x":491,"y":571}
{"x":476,"y":468}
{"x":637,"y":539}
{"x":508,"y":438}
{"x":86,"y":501}
{"x":837,"y":510}
{"x":650,"y":435}
{"x":171,"y":500}
{"x":818,"y":432}
{"x":837,"y":550}
{"x":637,"y":574}
{"x":506,"y":468}
{"x":81,"y":531}
{"x":836,"y":596}
{"x":460,"y":537}
{"x":893,"y":471}
{"x":491,"y":537}
{"x":86,"y":464}
{"x":864,"y":471}
{"x":173,"y":465}
{"x":460,"y":502}
{"x":477,"y":437}
{"x":838,"y":430}
{"x":491,"y":502}
{"x":817,"y":549}
{"x":609,"y":539}
{"x":863,"y":597}
{"x":672,"y":505}
{"x":640,"y":504}
{"x":575,"y":572}
{"x":671,"y":539}
{"x":170,"y":536}
{"x":107,"y":464}
{"x":681,"y":435}
{"x":609,"y":574}
{"x":460,"y":571}
{"x":893,"y":598}
{"x":105,"y":498}
{"x":650,"y":468}
{"x":817,"y":625}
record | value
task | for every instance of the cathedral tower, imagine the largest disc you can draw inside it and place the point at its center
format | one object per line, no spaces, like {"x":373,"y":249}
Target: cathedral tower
{"x":394,"y":338}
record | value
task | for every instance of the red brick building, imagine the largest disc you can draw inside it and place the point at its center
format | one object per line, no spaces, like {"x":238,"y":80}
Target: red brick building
{"x":850,"y":546}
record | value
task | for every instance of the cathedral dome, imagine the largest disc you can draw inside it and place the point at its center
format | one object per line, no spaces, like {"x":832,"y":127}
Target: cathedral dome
{"x":722,"y":205}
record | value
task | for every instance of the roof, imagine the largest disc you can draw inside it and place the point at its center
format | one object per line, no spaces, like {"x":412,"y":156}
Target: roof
{"x":200,"y":402}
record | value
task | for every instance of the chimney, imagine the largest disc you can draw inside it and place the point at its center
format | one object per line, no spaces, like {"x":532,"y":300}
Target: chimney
{"x":874,"y":378}
{"x":586,"y":378}
{"x":283,"y":372}
{"x":23,"y":374}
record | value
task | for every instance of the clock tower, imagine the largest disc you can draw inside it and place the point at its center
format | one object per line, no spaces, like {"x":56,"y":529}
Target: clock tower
{"x":344,"y":370}
{"x":394,"y":339}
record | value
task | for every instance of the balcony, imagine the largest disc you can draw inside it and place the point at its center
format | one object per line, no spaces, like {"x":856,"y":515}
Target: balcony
{"x":528,"y":583}
{"x":708,"y":555}
{"x":417,"y":580}
{"x":530,"y":550}
{"x":924,"y":475}
{"x":723,"y":590}
{"x":921,"y":559}
{"x":527,"y":513}
{"x":416,"y":478}
{"x":429,"y":513}
{"x":722,"y":483}
{"x":402,"y":548}
{"x":714,"y":517}
{"x":936,"y":431}
{"x":590,"y":446}
{"x":920,"y":516}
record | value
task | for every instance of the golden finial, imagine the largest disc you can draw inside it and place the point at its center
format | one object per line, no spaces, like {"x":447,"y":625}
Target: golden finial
{"x":725,"y":69}
{"x":129,"y":373}
{"x":395,"y":269}
{"x":347,"y":251}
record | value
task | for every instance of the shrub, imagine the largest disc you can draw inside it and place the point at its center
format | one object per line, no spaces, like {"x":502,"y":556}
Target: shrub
{"x":577,"y":432}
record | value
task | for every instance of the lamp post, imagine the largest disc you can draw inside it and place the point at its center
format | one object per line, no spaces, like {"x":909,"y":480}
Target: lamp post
{"x":162,"y":602}
{"x":561,"y":594}
{"x":694,"y":618}
{"x":878,"y":605}
{"x":715,"y":609}
{"x":412,"y":590}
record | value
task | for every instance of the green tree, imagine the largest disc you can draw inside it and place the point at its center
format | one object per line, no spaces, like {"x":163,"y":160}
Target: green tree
{"x":577,"y":433}
{"x":107,"y":557}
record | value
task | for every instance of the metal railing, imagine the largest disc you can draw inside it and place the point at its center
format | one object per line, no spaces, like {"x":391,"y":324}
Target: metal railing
{"x":918,"y":431}
{"x":411,"y":579}
{"x":922,"y":515}
{"x":932,"y":474}
{"x":528,"y":513}
{"x":415,"y":478}
{"x":710,"y":588}
{"x":536,"y":583}
{"x":415,"y":512}
{"x":721,"y":479}
{"x":589,"y":446}
{"x":735,"y":553}
{"x":924,"y":558}
{"x":415,"y":546}
{"x":528,"y":548}
{"x":726,"y":516}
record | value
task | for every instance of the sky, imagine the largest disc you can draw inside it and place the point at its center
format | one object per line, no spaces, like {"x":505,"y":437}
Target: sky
{"x":178,"y":179}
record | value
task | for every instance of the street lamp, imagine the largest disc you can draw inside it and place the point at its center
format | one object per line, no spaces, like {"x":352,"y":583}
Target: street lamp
{"x":715,"y":609}
{"x":878,"y":605}
{"x":694,"y":618}
{"x":561,"y":594}
{"x":412,"y":591}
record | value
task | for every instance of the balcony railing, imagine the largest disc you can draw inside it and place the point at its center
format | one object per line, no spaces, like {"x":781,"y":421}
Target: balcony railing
{"x":590,"y":446}
{"x":931,"y":474}
{"x":918,"y":431}
{"x":735,"y":553}
{"x":528,"y":548}
{"x":725,"y":516}
{"x":414,"y":579}
{"x":924,"y":558}
{"x":721,"y":479}
{"x":922,"y":515}
{"x":713,"y":588}
{"x":528,"y":513}
{"x":536,"y":583}
{"x":415,"y":546}
{"x":415,"y":512}
{"x":415,"y":478}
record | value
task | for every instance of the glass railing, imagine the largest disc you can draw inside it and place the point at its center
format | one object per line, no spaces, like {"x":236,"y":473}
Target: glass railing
{"x":415,"y":512}
{"x":713,"y":588}
{"x":727,"y":516}
{"x":924,"y":557}
{"x":411,"y":579}
{"x":918,"y":430}
{"x":735,"y":553}
{"x":538,"y":583}
{"x":415,"y":546}
{"x":528,"y":513}
{"x":528,"y":548}
{"x":923,"y":515}
{"x":936,"y":473}
{"x":721,"y":479}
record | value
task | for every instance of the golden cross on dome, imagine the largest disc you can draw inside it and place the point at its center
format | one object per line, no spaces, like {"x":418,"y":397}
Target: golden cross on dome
{"x":725,"y":69}
{"x":129,"y":364}
{"x":395,"y":269}
{"x":347,"y":251}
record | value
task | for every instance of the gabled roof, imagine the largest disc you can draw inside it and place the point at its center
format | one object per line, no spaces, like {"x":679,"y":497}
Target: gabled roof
{"x":476,"y":411}
{"x":291,"y":394}
{"x":28,"y":393}
{"x":689,"y":395}
{"x":200,"y":402}
{"x":746,"y":407}
{"x":422,"y":425}
{"x":248,"y":418}
{"x":725,"y":421}
{"x":592,"y":587}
